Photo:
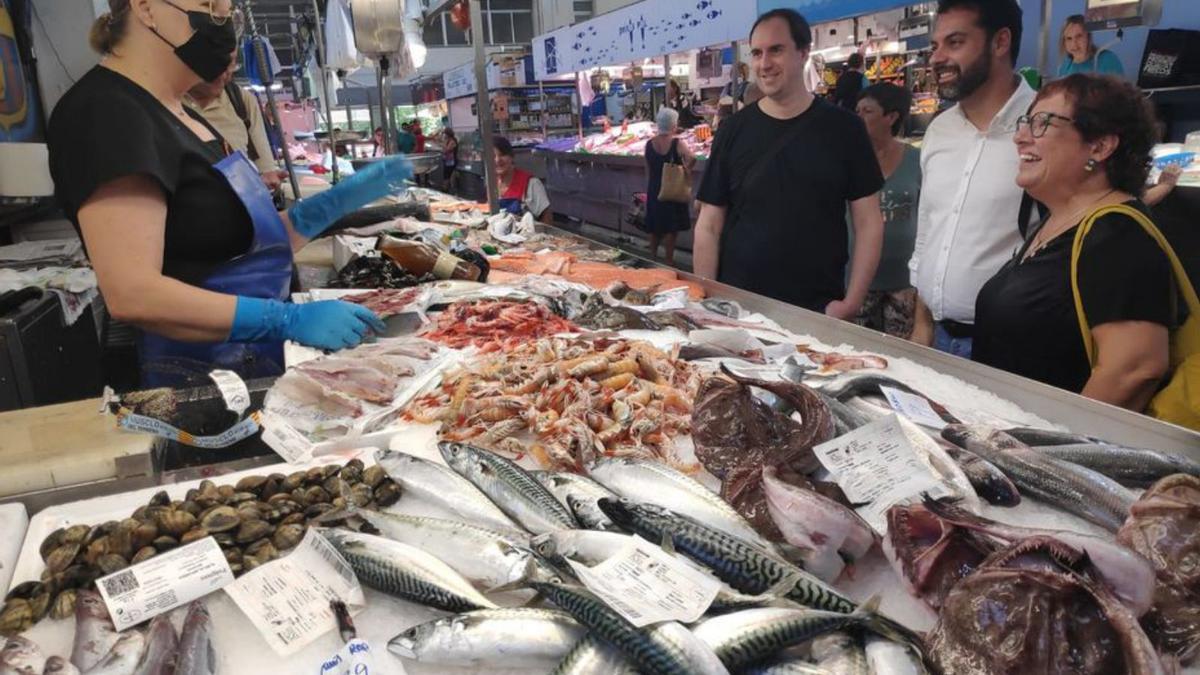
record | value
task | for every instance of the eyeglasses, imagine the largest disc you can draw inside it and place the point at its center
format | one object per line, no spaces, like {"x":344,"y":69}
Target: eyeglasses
{"x":1039,"y":122}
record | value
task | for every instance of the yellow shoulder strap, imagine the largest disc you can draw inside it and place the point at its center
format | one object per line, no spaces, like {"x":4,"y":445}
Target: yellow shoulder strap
{"x":1181,"y":277}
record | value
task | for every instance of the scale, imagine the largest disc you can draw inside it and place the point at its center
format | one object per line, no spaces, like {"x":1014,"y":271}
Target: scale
{"x":379,"y":35}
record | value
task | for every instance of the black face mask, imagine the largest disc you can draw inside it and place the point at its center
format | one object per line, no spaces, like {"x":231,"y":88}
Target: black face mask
{"x":209,"y":51}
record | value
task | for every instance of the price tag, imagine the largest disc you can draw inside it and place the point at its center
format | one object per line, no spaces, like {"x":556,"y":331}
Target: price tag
{"x":288,"y":599}
{"x":284,"y":439}
{"x":646,"y":585}
{"x":164,"y":582}
{"x":233,"y":390}
{"x":915,"y":408}
{"x":876,"y":465}
{"x":356,"y":658}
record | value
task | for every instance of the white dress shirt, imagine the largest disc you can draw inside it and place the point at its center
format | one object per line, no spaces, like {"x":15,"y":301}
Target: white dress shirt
{"x":967,"y":217}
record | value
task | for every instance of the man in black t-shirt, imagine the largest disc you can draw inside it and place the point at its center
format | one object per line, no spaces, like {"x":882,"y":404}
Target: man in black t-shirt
{"x":779,"y":178}
{"x":850,"y":83}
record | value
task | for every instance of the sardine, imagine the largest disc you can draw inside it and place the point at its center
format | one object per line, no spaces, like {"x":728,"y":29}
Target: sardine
{"x":786,"y":666}
{"x":162,"y":649}
{"x":21,"y":656}
{"x":736,"y":562}
{"x":511,"y":488}
{"x":1059,"y":484}
{"x":196,"y":653}
{"x":488,"y":558}
{"x":441,"y":487}
{"x":655,"y":483}
{"x":57,"y":665}
{"x":125,"y":656}
{"x":406,"y":572}
{"x":585,"y":491}
{"x":749,"y":636}
{"x":94,"y":631}
{"x":1133,"y":467}
{"x":825,"y":529}
{"x":1130,"y":576}
{"x":495,"y":638}
{"x":593,"y":656}
{"x":665,"y":649}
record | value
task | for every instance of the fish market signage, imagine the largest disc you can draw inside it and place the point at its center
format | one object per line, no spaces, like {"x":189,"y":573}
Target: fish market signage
{"x":645,"y":29}
{"x":459,"y":82}
{"x":821,"y":11}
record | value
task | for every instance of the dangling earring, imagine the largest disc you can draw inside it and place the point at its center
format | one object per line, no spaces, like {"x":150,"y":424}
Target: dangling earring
{"x":1090,"y":166}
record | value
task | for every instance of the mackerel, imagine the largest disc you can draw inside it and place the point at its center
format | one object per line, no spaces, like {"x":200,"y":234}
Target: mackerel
{"x":1134,"y":467}
{"x":579,"y":494}
{"x":488,"y":558}
{"x":439,"y":486}
{"x":752,"y":635}
{"x":495,"y":638}
{"x":593,"y":656}
{"x":406,"y":572}
{"x":1069,"y":487}
{"x":511,"y":488}
{"x":655,"y":483}
{"x":841,"y":654}
{"x":666,"y":649}
{"x":196,"y":653}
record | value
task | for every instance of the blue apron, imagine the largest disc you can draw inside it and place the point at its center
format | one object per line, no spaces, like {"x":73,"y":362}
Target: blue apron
{"x":513,"y":199}
{"x":265,"y":271}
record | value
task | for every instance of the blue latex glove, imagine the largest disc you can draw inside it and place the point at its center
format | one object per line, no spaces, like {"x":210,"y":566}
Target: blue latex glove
{"x":328,"y":324}
{"x":313,"y":215}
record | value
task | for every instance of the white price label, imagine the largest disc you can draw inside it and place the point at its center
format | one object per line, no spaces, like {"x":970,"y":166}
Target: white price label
{"x":233,"y":390}
{"x":356,"y":658}
{"x":284,"y":439}
{"x":646,"y":585}
{"x":164,"y":582}
{"x":876,"y":465}
{"x":287,"y":600}
{"x":915,"y":408}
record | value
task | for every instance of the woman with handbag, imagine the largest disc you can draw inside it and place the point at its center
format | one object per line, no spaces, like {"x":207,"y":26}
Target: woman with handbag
{"x":669,"y":162}
{"x":1090,"y":303}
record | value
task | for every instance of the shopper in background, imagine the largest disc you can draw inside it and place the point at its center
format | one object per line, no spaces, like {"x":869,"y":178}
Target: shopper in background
{"x":449,"y":156}
{"x":1080,"y":54}
{"x":414,"y":127}
{"x":682,"y":104}
{"x":814,"y":75}
{"x":666,"y":219}
{"x":743,"y":82}
{"x":970,"y":203}
{"x":406,"y":141}
{"x":520,"y":191}
{"x":1167,"y":180}
{"x":890,"y":302}
{"x":778,"y":181}
{"x":186,"y":244}
{"x":1084,"y":145}
{"x":850,"y":83}
{"x":378,"y":148}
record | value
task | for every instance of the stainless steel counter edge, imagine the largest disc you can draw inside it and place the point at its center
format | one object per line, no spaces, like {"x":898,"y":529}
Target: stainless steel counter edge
{"x":1080,"y":414}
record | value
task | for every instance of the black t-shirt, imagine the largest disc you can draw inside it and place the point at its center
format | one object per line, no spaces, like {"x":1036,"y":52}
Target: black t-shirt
{"x":107,"y":127}
{"x":1025,"y":320}
{"x":785,"y":234}
{"x":849,"y":86}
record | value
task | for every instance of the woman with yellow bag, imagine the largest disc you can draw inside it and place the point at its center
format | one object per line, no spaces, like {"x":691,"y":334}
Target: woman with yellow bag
{"x":1093,"y":302}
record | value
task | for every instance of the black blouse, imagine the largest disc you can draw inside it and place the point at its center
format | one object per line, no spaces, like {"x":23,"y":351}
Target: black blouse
{"x":1025,"y":319}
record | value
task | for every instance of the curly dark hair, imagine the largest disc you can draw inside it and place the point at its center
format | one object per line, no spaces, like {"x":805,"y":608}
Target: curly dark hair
{"x":1104,"y":106}
{"x":891,"y":99}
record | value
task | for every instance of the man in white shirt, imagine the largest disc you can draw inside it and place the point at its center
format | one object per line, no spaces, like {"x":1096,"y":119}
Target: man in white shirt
{"x":967,"y":219}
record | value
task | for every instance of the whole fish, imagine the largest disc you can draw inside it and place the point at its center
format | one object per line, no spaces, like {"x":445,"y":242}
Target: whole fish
{"x":752,"y":635}
{"x":488,"y":558}
{"x":1039,"y":437}
{"x":713,"y":320}
{"x":738,"y":563}
{"x":1129,"y":575}
{"x":786,"y":666}
{"x":495,"y":638}
{"x":57,"y":665}
{"x":406,"y":572}
{"x":593,"y":656}
{"x":599,"y":316}
{"x":845,"y":418}
{"x":885,"y":657}
{"x":1055,"y":483}
{"x":435,"y":484}
{"x":510,"y":487}
{"x":672,"y":319}
{"x":655,"y":483}
{"x":726,"y":308}
{"x":841,"y":654}
{"x":986,"y":478}
{"x":586,"y":491}
{"x":1128,"y":466}
{"x":665,"y":649}
{"x":124,"y":657}
{"x":196,"y":653}
{"x":829,"y":532}
{"x":94,"y":631}
{"x":21,"y":656}
{"x":162,"y":649}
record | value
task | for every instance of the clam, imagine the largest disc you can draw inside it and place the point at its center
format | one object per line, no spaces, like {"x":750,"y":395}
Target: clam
{"x":17,"y":616}
{"x":195,"y":534}
{"x":224,"y":539}
{"x":315,"y":495}
{"x":25,"y":590}
{"x":75,"y":534}
{"x":111,"y":562}
{"x":315,"y":475}
{"x":225,"y":491}
{"x":144,"y":534}
{"x":387,"y":493}
{"x":98,"y":531}
{"x":361,"y":494}
{"x":296,"y":518}
{"x":330,"y":470}
{"x":271,"y":486}
{"x":292,"y":481}
{"x":220,"y":519}
{"x":62,"y":557}
{"x":317,"y":510}
{"x":77,"y":576}
{"x":51,"y":542}
{"x":287,"y":536}
{"x":63,"y":605}
{"x":373,"y":475}
{"x":192,"y":507}
{"x":335,"y":485}
{"x":253,"y":530}
{"x":40,"y":604}
{"x":164,"y":543}
{"x":160,"y":498}
{"x":144,"y":553}
{"x":120,"y":541}
{"x":262,"y":549}
{"x":250,"y":483}
{"x":239,"y":497}
{"x":175,"y":523}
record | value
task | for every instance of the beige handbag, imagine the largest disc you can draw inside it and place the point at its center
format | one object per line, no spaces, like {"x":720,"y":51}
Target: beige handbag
{"x":675,"y":184}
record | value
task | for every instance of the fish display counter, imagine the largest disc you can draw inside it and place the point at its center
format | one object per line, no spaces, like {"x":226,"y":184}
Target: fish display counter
{"x":585,"y":463}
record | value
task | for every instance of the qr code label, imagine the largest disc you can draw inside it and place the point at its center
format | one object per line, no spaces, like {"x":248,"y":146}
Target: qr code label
{"x":120,"y":583}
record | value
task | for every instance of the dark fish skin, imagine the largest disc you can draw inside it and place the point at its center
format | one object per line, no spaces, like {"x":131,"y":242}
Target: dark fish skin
{"x":1134,"y":467}
{"x":863,"y":385}
{"x":162,"y":648}
{"x":196,"y":653}
{"x":987,"y":479}
{"x":1036,"y":437}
